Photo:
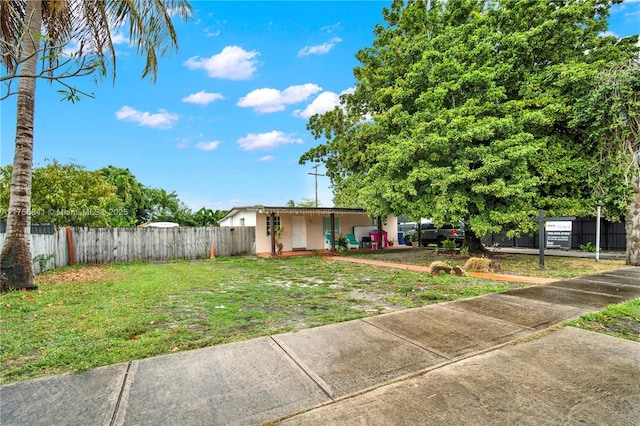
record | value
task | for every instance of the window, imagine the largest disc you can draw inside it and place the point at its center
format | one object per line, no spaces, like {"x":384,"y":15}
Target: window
{"x":242,"y":221}
{"x":277,"y":223}
{"x":326,"y":226}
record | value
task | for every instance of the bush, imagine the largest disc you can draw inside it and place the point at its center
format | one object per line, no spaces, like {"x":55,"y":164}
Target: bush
{"x":343,"y":244}
{"x":449,"y":245}
{"x":588,"y":247}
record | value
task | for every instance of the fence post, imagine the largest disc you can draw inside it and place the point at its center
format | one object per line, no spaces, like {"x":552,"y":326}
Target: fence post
{"x":72,"y":255}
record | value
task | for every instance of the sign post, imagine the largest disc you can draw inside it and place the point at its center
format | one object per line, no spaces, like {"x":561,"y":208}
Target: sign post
{"x":559,"y":233}
{"x":541,"y":237}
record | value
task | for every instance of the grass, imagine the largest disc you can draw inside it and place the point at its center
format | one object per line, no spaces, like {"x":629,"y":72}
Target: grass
{"x":516,"y":264}
{"x":85,"y":317}
{"x":621,"y":320}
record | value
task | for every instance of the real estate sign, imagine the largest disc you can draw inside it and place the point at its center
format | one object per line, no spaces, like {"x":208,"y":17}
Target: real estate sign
{"x":558,"y":234}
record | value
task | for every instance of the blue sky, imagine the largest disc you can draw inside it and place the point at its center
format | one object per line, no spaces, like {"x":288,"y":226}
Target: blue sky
{"x":225,"y":123}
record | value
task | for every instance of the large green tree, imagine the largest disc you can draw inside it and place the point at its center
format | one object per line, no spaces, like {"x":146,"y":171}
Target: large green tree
{"x":610,"y":115}
{"x":462,"y":112}
{"x":131,"y":193}
{"x":35,"y":30}
{"x":68,"y":194}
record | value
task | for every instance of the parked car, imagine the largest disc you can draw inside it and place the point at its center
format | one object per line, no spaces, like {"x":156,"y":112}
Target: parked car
{"x":407,"y":227}
{"x":430,"y":234}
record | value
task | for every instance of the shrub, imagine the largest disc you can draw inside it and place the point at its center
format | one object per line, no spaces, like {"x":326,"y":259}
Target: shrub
{"x":588,"y":247}
{"x":449,"y":245}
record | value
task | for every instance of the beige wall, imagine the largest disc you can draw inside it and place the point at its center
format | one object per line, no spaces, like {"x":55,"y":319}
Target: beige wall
{"x":313,"y":226}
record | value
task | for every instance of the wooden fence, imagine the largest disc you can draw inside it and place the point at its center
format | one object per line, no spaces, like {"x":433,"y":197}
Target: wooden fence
{"x":107,"y":245}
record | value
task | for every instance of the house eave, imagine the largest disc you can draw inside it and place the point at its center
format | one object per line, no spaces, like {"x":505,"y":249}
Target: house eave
{"x":309,"y":210}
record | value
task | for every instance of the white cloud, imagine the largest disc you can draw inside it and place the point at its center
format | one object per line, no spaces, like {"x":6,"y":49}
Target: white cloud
{"x":175,"y":12}
{"x":331,"y":28}
{"x":266,"y":158}
{"x":268,"y":140}
{"x":202,"y":98}
{"x":207,"y":146}
{"x":211,"y":32}
{"x":324,"y":102}
{"x":268,"y":100}
{"x":319,"y":49}
{"x":119,"y":39}
{"x":160,"y":120}
{"x":233,"y":63}
{"x":183,"y":143}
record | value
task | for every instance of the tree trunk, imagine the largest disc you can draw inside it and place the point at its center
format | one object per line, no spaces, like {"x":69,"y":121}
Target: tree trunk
{"x":633,"y":226}
{"x":16,"y":266}
{"x":474,"y":243}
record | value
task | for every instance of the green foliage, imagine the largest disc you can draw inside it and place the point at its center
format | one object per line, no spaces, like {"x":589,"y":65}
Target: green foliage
{"x":131,"y":192}
{"x":588,"y":247}
{"x":308,"y":202}
{"x":208,"y":217}
{"x":621,"y":320}
{"x":610,"y":116}
{"x":342,"y":243}
{"x":43,"y":259}
{"x":68,"y":194}
{"x":449,"y":245}
{"x":463,"y":111}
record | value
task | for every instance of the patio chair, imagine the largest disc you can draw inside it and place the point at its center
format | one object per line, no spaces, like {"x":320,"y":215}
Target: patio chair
{"x":352,"y":242}
{"x":327,"y":242}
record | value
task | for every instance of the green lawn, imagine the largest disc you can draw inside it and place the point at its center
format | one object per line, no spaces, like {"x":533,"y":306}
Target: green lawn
{"x":621,"y":320}
{"x":84,"y":317}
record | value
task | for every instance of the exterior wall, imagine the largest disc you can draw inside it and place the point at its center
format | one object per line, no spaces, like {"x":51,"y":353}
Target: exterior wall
{"x":235,"y":220}
{"x":313,"y":227}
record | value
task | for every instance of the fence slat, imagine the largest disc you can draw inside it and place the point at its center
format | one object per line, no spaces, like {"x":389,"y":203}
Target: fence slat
{"x":107,"y":245}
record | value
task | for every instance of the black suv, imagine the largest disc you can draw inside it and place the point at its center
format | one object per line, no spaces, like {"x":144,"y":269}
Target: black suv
{"x":429,"y":234}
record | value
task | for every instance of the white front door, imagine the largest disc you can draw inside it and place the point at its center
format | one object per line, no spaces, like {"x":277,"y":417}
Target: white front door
{"x":298,"y":233}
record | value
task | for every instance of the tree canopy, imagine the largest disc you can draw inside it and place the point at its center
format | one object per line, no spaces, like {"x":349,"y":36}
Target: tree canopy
{"x":463,"y":111}
{"x":69,"y":194}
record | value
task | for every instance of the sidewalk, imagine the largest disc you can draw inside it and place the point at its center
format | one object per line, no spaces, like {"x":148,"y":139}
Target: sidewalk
{"x":494,"y":359}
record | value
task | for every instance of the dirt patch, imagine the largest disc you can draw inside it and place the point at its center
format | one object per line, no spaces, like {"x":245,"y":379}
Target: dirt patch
{"x":624,"y":325}
{"x":372,"y":302}
{"x":85,"y":274}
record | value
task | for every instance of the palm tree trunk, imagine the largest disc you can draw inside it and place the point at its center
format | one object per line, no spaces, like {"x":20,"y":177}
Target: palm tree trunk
{"x":16,"y":266}
{"x":633,"y":226}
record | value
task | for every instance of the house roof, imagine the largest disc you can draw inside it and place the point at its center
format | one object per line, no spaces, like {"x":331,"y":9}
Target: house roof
{"x":294,"y":210}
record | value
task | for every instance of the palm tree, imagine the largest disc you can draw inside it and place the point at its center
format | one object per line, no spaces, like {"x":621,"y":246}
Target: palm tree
{"x":38,"y":30}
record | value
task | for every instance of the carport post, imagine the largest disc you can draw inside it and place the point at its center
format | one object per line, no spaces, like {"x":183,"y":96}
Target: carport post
{"x":333,"y":232}
{"x":273,"y":233}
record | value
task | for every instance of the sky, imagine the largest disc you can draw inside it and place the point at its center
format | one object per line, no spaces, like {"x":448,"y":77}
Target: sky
{"x":224,"y":124}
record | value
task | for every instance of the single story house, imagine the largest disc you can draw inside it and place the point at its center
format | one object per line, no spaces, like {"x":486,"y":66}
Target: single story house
{"x":305,"y":228}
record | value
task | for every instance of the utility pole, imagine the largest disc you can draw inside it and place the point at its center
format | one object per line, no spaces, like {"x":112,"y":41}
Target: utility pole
{"x":316,"y":174}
